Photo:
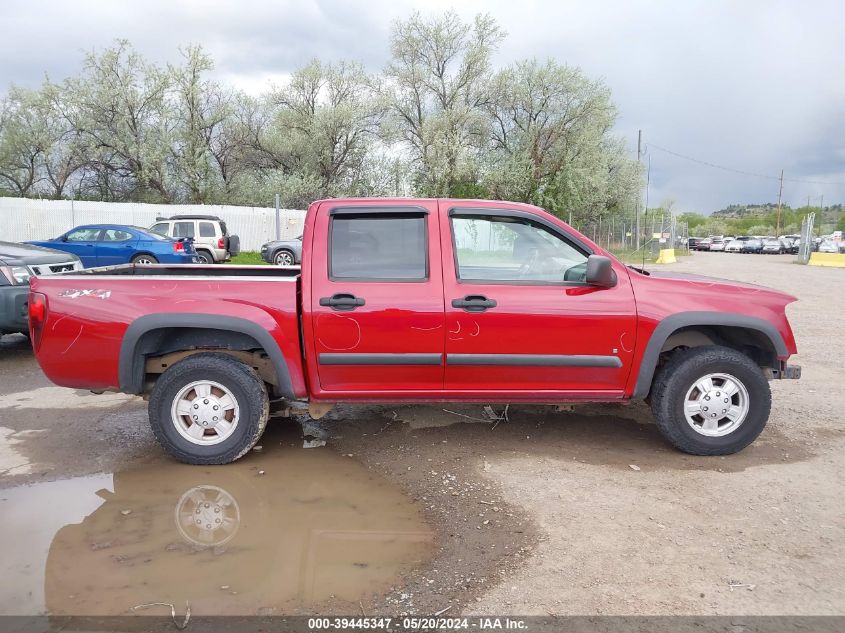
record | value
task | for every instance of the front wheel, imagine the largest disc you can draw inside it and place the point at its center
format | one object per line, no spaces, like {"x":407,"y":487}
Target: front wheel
{"x":208,"y":409}
{"x":710,"y":400}
{"x":283,"y":258}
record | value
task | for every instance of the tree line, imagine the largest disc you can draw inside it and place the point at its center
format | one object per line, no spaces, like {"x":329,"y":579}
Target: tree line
{"x":438,"y":120}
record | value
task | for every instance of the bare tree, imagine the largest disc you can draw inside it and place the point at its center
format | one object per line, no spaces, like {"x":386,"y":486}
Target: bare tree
{"x":21,"y":143}
{"x":326,"y":120}
{"x":121,"y":112}
{"x":437,"y":87}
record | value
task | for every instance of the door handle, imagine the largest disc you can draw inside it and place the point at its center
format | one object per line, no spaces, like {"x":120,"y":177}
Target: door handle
{"x":342,"y":301}
{"x":474,"y":303}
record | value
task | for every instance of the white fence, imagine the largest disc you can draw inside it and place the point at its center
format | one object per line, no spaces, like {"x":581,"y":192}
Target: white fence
{"x":24,"y":219}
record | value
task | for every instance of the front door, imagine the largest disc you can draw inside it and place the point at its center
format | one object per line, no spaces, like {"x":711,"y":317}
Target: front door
{"x":377,"y":299}
{"x":519,"y":317}
{"x":82,"y":242}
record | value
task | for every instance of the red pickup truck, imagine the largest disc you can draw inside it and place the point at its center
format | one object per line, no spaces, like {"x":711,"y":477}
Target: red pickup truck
{"x":405,"y":300}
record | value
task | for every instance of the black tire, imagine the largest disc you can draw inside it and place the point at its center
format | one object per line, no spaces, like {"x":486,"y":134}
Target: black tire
{"x":145,"y":258}
{"x":205,"y":257}
{"x":282,"y":254}
{"x":681,"y":372}
{"x":245,"y":386}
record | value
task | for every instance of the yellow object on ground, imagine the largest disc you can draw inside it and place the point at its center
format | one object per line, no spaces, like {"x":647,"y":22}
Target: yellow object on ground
{"x":666,"y":256}
{"x":836,"y":260}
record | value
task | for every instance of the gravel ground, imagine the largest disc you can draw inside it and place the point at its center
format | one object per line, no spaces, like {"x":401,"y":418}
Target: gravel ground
{"x":665,"y":541}
{"x":573,"y":513}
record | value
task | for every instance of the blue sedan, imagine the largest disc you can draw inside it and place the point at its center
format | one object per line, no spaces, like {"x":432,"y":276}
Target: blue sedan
{"x":111,"y":244}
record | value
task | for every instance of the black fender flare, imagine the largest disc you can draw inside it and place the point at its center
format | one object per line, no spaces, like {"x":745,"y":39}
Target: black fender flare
{"x":675,"y":322}
{"x":131,"y":363}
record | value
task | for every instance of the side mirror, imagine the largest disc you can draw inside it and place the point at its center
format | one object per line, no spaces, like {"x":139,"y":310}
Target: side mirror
{"x":63,"y":238}
{"x":600,"y":271}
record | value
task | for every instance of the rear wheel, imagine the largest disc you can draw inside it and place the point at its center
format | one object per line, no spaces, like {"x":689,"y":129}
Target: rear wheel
{"x":208,"y":409}
{"x":710,"y":400}
{"x":144,"y":259}
{"x":205,"y":257}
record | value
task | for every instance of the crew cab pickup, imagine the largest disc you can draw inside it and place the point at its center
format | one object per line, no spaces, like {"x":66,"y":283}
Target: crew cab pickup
{"x":405,"y":300}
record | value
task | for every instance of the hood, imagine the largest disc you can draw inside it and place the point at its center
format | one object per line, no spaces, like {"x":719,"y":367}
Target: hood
{"x":30,"y":254}
{"x":292,"y":240}
{"x":714,"y":283}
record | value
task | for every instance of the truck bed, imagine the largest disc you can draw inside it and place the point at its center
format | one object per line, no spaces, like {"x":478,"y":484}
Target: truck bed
{"x":88,"y":313}
{"x":195,"y":270}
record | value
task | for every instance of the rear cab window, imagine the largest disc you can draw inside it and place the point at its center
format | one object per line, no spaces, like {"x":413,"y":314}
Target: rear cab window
{"x":378,"y":246}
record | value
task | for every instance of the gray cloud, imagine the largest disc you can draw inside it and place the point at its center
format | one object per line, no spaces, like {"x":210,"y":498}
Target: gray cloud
{"x":756,"y":85}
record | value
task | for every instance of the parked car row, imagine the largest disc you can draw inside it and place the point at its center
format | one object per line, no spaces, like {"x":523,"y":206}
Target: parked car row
{"x":181,"y":239}
{"x":747,"y":244}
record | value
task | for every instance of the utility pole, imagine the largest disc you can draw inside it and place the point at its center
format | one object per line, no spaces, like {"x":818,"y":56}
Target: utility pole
{"x":821,"y":214}
{"x":639,"y":155}
{"x":780,"y":195}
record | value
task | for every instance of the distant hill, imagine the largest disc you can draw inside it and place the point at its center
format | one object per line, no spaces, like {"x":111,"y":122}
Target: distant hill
{"x":736,"y":211}
{"x":831,"y":214}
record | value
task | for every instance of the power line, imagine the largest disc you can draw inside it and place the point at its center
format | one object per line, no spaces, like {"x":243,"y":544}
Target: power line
{"x":738,"y":171}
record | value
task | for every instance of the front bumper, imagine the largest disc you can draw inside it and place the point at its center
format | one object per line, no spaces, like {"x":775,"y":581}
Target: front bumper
{"x":13,"y":309}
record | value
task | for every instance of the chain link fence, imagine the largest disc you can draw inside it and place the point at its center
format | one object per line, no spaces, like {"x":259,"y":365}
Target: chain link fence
{"x":805,"y":248}
{"x":618,"y":233}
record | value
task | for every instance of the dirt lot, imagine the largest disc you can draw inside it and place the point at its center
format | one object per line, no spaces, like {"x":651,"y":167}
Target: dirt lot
{"x":578,"y":513}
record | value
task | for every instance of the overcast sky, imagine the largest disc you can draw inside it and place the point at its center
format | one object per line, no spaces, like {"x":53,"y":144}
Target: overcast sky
{"x":752,"y":85}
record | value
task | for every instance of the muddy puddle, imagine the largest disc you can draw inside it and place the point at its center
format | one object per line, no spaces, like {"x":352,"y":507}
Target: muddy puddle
{"x":282,"y":531}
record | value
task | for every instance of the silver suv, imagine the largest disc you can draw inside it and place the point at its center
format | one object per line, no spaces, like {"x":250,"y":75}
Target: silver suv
{"x":211,"y":238}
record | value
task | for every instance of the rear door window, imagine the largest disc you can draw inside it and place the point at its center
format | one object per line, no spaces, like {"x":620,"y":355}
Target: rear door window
{"x":115,"y":235}
{"x":183,"y":229}
{"x":379,"y":247}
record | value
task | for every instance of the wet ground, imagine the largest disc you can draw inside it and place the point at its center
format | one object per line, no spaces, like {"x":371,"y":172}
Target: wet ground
{"x":283,"y":531}
{"x":418,"y":509}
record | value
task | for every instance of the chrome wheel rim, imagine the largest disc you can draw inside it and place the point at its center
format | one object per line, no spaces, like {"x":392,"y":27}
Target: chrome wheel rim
{"x":284,"y":259}
{"x":716,"y":405}
{"x":205,"y":412}
{"x":143,"y":260}
{"x":207,"y":516}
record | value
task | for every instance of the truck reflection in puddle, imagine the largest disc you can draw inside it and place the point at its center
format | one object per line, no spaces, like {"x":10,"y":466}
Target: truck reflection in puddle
{"x":316,"y":531}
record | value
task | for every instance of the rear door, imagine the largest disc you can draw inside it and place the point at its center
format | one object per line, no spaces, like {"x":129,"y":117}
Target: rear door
{"x":377,"y":299}
{"x":116,"y":246}
{"x":519,"y":317}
